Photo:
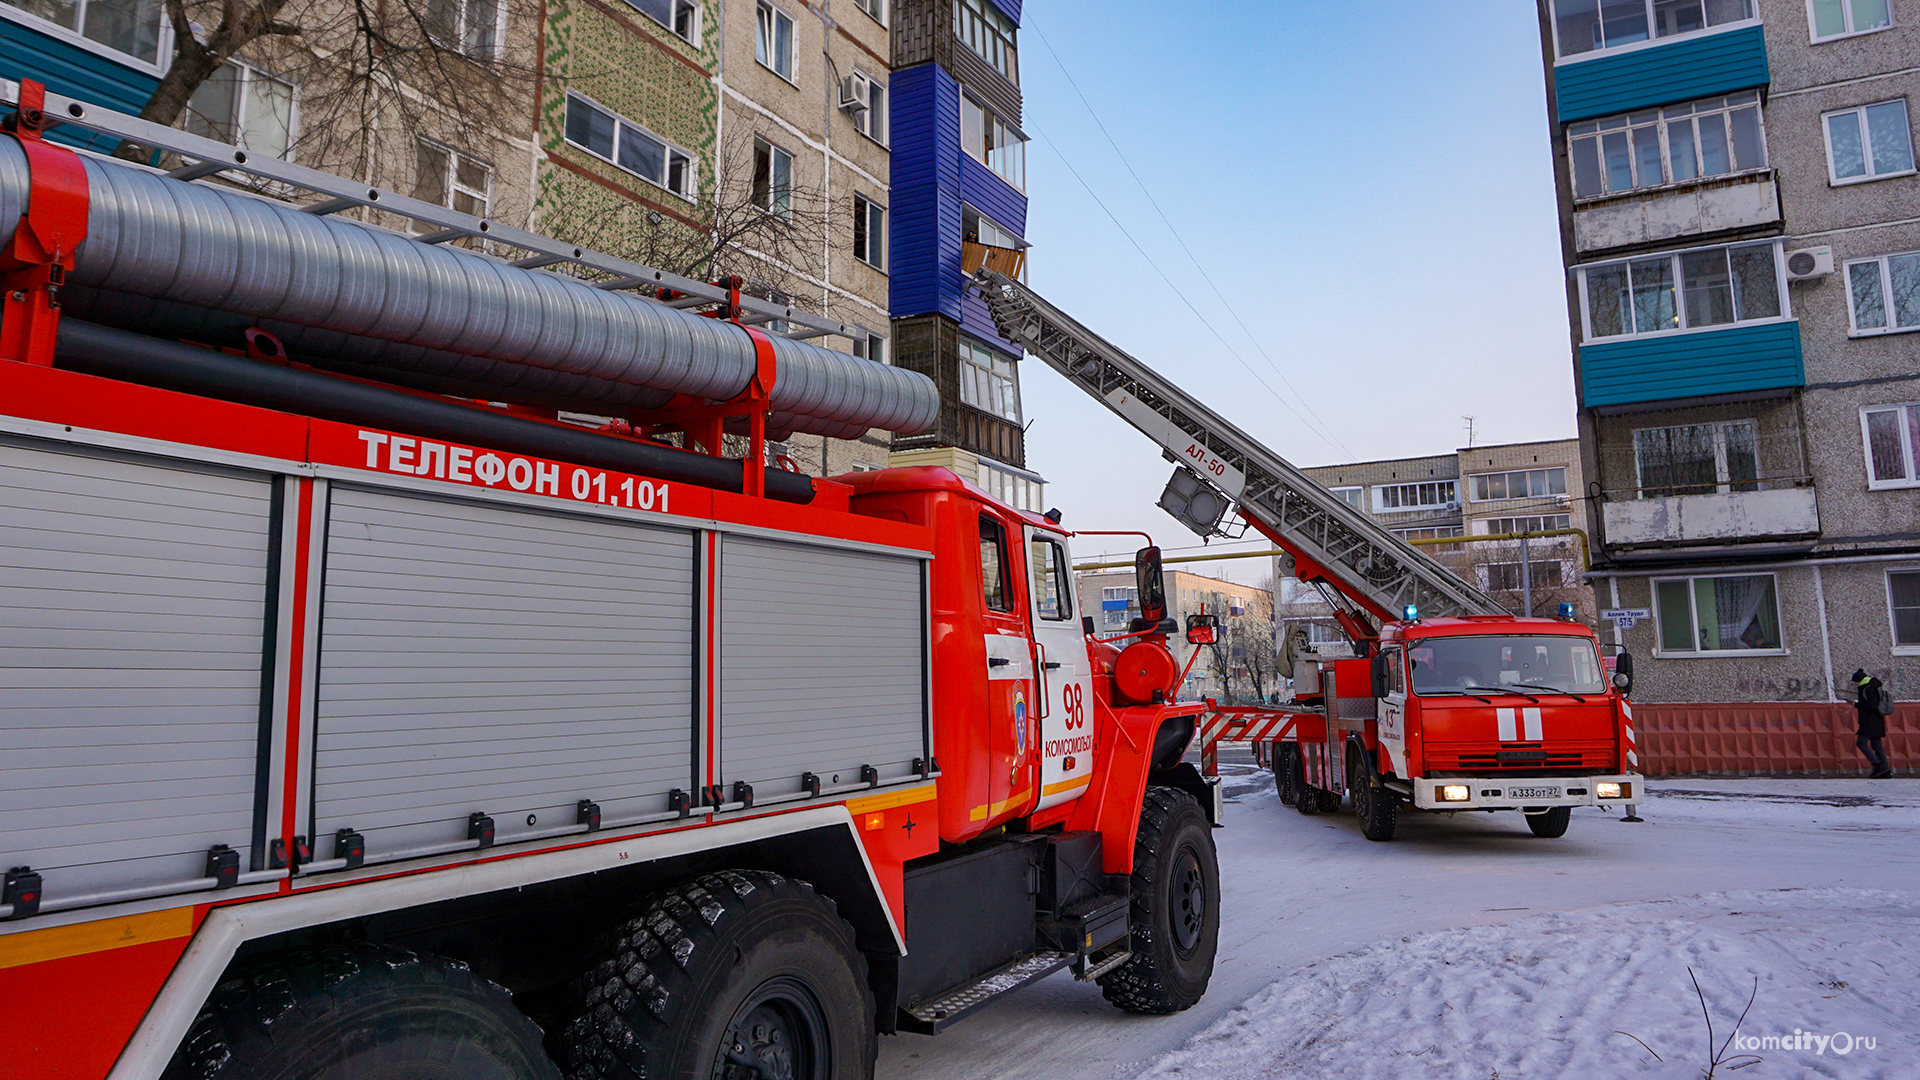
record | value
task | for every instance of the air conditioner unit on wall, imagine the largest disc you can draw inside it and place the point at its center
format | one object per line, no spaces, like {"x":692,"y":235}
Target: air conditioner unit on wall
{"x":856,"y":93}
{"x":1809,"y":263}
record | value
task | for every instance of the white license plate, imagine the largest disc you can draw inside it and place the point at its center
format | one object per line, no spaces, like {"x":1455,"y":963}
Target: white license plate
{"x":1533,"y":793}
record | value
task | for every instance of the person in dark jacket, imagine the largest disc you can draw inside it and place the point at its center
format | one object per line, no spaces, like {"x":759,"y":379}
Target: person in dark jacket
{"x":1873,"y":726}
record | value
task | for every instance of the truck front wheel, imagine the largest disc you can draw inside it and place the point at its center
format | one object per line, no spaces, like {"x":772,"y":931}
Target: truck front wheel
{"x":736,"y":975}
{"x":1551,"y":823}
{"x":360,"y":1012}
{"x":1176,"y":908}
{"x":1377,"y":808}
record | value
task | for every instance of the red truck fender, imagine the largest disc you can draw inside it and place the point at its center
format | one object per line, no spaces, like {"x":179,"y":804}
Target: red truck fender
{"x":1123,"y":756}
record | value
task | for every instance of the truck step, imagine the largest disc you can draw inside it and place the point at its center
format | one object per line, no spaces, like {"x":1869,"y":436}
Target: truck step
{"x":930,"y":1016}
{"x":1101,"y":963}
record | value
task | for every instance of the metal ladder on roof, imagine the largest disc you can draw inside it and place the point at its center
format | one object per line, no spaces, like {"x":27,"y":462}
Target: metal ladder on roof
{"x":1332,"y":542}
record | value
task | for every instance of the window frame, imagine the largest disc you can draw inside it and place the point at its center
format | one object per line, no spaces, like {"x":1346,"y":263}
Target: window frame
{"x":1536,"y":575}
{"x":1854,"y":329}
{"x":766,"y":18}
{"x":1909,"y":414}
{"x":1651,"y":41}
{"x":1377,"y":496}
{"x":248,"y":74}
{"x":692,"y":37}
{"x":880,"y":16}
{"x":865,"y":213}
{"x":1723,"y":477}
{"x":999,"y":540}
{"x":163,"y":43}
{"x":1834,"y":179}
{"x":1544,"y":469}
{"x":1484,"y":526}
{"x":1899,"y":648}
{"x":1062,"y":579}
{"x":992,"y":128}
{"x":668,"y":152}
{"x":968,"y":346}
{"x":494,"y":45}
{"x":1581,"y":271}
{"x":874,"y":122}
{"x":869,"y":346}
{"x":451,"y":185}
{"x":1661,"y":123}
{"x":987,"y":16}
{"x":1434,"y":532}
{"x":774,"y":203}
{"x":1846,"y":11}
{"x":1360,"y":503}
{"x":1693,"y":613}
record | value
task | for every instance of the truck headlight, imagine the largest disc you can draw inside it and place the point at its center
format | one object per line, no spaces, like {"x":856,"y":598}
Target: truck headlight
{"x":1604,"y":790}
{"x":1455,"y":793}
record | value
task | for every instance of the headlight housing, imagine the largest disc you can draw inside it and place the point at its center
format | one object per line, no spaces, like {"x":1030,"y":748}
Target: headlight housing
{"x":1608,"y":790}
{"x":1454,"y":793}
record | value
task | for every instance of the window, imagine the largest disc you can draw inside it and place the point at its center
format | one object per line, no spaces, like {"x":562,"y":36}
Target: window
{"x":1883,"y":294}
{"x":468,"y":26}
{"x":1509,"y":577}
{"x":1903,"y":595}
{"x":1684,"y":290}
{"x":1436,"y":533}
{"x":870,"y":347}
{"x":987,"y":381}
{"x":875,"y":8}
{"x":989,"y":34}
{"x":772,"y":178}
{"x":1584,"y":26}
{"x":1128,"y":593}
{"x":872,"y":121}
{"x":133,"y":27}
{"x":1834,"y":18}
{"x":1020,"y":490}
{"x":1533,"y":523}
{"x":981,"y":229}
{"x":1424,"y":496}
{"x":1524,"y":484}
{"x":1696,"y":459}
{"x":1868,"y":142}
{"x":1673,"y":145}
{"x":869,"y":232}
{"x":451,"y":179}
{"x":999,"y":147}
{"x":773,"y":40}
{"x":1454,"y":665}
{"x":245,"y":107}
{"x":1718,"y":614}
{"x":680,"y":16}
{"x":1352,"y":496}
{"x":1893,"y":445}
{"x":1052,"y":588}
{"x":993,"y":564}
{"x":616,"y":139}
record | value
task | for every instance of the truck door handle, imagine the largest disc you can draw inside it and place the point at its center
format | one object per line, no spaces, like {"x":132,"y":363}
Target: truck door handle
{"x":998,"y":661}
{"x":1051,"y":665}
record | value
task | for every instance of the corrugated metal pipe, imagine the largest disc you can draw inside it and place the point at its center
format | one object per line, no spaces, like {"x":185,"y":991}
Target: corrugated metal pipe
{"x":392,"y":302}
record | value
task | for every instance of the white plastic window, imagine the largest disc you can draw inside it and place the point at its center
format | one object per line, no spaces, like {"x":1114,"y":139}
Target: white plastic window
{"x":1883,"y":294}
{"x":1868,"y":142}
{"x":773,"y":40}
{"x":1680,"y":143}
{"x":1838,"y":18}
{"x":1585,"y":26}
{"x":1718,"y":614}
{"x":1892,"y":434}
{"x":1682,"y":290}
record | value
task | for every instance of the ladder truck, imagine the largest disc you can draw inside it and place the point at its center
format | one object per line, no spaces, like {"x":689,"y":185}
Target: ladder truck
{"x":397,"y":679}
{"x":1448,"y":704}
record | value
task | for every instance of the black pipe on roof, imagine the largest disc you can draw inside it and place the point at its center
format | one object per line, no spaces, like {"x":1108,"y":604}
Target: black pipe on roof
{"x":92,"y":349}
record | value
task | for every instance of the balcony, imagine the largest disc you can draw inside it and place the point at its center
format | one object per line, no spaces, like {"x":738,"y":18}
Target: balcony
{"x":1658,"y":215}
{"x":1691,"y":364}
{"x":1695,"y":66}
{"x":1717,"y":518}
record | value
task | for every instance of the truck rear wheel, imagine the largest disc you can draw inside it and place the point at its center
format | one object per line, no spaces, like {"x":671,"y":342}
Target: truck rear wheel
{"x":737,"y":975}
{"x":361,"y":1012}
{"x":1175,"y":914}
{"x":1376,"y":807}
{"x":1551,"y":824}
{"x":1286,"y":772}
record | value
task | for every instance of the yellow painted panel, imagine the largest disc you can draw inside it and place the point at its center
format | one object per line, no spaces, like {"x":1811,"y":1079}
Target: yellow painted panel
{"x":874,"y":803}
{"x":60,"y":942}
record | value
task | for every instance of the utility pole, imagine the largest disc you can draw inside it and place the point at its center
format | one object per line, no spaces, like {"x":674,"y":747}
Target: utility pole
{"x":1469,"y":421}
{"x":1526,"y":576}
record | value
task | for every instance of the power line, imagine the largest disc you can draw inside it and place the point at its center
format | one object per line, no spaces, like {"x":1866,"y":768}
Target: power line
{"x":1324,"y":430}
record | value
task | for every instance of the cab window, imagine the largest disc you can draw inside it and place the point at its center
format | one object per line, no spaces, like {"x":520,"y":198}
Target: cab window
{"x":993,"y":564}
{"x":1396,"y":675}
{"x":1052,"y":588}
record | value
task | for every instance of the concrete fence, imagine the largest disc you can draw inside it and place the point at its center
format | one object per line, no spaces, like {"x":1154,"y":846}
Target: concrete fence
{"x":1767,"y":737}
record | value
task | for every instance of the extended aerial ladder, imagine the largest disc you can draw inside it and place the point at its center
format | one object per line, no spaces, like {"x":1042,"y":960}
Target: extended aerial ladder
{"x":1356,"y":563}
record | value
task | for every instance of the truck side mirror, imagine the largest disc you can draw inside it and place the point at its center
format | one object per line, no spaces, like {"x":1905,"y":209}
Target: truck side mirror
{"x":1203,"y":629}
{"x":1380,"y":677}
{"x":1623,"y":672}
{"x":1153,"y":589}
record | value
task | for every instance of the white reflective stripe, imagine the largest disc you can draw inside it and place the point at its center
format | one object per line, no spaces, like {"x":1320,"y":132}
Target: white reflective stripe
{"x":1633,"y":758}
{"x":1630,"y":737}
{"x":1532,"y":718}
{"x":1626,"y":710}
{"x":1505,"y":717}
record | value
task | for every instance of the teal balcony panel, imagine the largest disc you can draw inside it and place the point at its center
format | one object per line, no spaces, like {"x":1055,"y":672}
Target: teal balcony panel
{"x":1694,"y":67}
{"x":1736,"y":360}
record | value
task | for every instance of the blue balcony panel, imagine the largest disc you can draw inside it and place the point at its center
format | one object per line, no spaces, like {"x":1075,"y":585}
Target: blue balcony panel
{"x":924,"y":196}
{"x":65,"y":68}
{"x":993,"y":196}
{"x":1736,"y":360}
{"x":1010,"y":8}
{"x":1694,"y":67}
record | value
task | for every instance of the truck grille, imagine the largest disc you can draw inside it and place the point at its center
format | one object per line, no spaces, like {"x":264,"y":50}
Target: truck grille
{"x":1533,"y":759}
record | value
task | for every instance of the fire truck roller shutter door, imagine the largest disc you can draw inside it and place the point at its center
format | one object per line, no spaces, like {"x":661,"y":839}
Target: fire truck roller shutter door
{"x":822,"y":664}
{"x":482,"y":658}
{"x":133,"y":599}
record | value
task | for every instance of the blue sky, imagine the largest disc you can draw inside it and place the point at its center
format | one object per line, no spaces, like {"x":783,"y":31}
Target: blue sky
{"x":1368,"y":185}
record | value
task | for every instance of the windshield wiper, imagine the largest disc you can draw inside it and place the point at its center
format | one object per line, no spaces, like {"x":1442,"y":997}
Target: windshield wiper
{"x":1551,"y":690}
{"x":1451,"y":693}
{"x":1509,"y":689}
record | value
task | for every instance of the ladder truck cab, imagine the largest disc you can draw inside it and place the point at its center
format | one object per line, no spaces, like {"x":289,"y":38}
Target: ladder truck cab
{"x":1447,"y":703}
{"x":401,"y":681}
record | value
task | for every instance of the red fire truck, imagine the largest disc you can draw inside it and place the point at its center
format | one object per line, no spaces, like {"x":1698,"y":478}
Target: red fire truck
{"x":356,"y":729}
{"x":1448,"y":702}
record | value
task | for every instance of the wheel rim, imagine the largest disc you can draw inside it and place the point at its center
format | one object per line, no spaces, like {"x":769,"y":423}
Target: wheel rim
{"x":779,"y":1033}
{"x":1188,"y":912}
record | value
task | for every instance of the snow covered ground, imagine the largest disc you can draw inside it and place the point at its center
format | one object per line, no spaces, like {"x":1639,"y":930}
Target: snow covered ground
{"x":1469,"y":948}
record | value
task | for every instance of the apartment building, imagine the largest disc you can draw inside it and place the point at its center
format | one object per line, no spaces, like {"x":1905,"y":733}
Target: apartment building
{"x":1242,"y":665}
{"x":1737,"y":194}
{"x":960,"y":176}
{"x":713,"y":138}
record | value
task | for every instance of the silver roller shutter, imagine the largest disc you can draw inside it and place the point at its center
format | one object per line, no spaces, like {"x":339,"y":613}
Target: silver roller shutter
{"x":477,"y":658}
{"x":133,"y":598}
{"x":822,"y":664}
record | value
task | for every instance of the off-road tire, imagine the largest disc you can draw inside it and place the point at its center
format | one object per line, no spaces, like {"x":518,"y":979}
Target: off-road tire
{"x":360,"y":1012}
{"x":1329,"y":801}
{"x":1286,"y":772}
{"x":1551,"y":824}
{"x":1175,"y":915}
{"x":675,"y":998}
{"x":1377,"y":808}
{"x":1306,"y":798}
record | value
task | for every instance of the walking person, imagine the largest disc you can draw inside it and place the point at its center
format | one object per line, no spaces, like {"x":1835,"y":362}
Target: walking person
{"x":1873,"y":723}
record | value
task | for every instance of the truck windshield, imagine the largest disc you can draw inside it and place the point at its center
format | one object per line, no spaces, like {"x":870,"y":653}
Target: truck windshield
{"x":1533,"y":663}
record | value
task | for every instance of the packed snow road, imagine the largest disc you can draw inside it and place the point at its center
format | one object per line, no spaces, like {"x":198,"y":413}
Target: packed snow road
{"x":1469,"y":948}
